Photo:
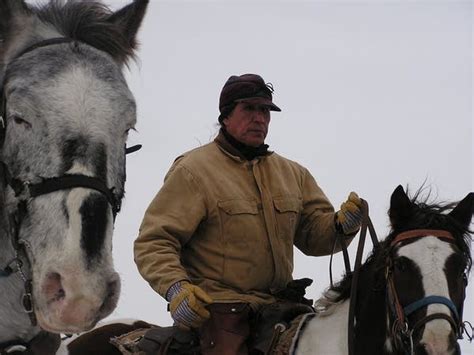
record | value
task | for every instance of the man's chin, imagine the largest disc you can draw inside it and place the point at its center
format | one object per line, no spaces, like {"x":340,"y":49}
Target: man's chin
{"x":255,"y":144}
{"x":255,"y":140}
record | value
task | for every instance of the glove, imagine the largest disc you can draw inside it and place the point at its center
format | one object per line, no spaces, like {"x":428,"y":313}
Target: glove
{"x":349,"y":217}
{"x":187,"y":304}
{"x":295,"y":291}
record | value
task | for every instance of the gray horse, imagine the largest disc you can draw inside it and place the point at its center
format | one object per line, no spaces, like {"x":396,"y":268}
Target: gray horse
{"x":65,"y":113}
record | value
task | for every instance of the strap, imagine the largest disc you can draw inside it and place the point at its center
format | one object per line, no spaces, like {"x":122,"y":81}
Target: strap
{"x":366,"y":224}
{"x":417,"y":233}
{"x":43,"y":343}
{"x":431,"y":317}
{"x":70,"y":181}
{"x":424,"y":302}
{"x":45,"y":43}
{"x":133,"y":149}
{"x":347,"y":263}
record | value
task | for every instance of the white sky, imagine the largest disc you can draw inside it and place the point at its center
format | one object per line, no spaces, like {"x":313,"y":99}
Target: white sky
{"x":374,"y":94}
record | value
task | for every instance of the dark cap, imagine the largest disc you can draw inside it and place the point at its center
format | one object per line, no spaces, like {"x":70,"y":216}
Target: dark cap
{"x":245,"y":88}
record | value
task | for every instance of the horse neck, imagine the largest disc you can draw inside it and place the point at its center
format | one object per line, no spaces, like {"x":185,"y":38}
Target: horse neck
{"x":371,"y":314}
{"x":14,"y":322}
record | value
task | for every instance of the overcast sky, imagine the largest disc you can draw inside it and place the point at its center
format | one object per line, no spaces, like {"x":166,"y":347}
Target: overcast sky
{"x":373,"y":94}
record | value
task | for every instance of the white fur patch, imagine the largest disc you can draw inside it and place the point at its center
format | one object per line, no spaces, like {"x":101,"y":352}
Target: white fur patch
{"x":430,"y":254}
{"x":326,"y":335}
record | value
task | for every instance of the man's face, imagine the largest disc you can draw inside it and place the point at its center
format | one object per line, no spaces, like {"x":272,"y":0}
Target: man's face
{"x":248,"y":123}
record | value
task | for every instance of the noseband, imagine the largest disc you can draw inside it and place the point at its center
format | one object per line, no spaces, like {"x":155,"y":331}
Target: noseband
{"x":26,"y":191}
{"x":402,"y":333}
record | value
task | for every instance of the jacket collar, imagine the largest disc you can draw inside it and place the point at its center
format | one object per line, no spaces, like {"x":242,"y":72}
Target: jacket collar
{"x":230,"y":150}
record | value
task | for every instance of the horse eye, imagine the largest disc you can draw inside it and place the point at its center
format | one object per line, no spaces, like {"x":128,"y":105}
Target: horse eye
{"x":402,"y":264}
{"x":20,"y":121}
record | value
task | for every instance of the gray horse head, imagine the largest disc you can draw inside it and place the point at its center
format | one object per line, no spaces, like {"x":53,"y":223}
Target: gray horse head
{"x":68,"y":112}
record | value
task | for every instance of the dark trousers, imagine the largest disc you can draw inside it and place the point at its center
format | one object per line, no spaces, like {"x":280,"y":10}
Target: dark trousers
{"x":227,"y":330}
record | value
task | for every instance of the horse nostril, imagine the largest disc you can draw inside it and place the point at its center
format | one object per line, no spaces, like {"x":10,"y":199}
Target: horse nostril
{"x":111,"y":296}
{"x":421,"y":349}
{"x":112,"y":288}
{"x":53,"y":287}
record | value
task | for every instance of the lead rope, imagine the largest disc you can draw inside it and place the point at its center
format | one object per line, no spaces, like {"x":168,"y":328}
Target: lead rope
{"x":366,"y":224}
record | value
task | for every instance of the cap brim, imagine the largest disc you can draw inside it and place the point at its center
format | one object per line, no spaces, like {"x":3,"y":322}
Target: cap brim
{"x":260,"y":101}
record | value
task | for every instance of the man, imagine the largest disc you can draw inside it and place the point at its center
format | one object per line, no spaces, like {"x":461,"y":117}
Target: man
{"x":217,"y":240}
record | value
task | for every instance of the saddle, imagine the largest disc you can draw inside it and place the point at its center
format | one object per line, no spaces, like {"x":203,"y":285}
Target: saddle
{"x":157,"y":341}
{"x":274,"y":323}
{"x":273,"y":330}
{"x":267,"y":327}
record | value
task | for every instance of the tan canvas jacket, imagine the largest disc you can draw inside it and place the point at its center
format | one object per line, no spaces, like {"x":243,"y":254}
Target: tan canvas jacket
{"x":229,"y":225}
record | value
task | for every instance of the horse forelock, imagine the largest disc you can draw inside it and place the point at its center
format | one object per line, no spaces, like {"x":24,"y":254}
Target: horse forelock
{"x":88,"y":22}
{"x":430,"y":215}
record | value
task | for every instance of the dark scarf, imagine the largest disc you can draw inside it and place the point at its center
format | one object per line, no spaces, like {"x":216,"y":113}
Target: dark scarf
{"x":247,"y":151}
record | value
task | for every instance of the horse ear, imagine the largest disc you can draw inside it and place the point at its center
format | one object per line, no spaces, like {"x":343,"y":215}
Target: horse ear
{"x":9,"y":9}
{"x":129,"y":19}
{"x":401,"y":208}
{"x":464,"y":210}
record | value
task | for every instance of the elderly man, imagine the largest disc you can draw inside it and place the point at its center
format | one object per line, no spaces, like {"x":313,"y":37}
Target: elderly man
{"x":217,"y":240}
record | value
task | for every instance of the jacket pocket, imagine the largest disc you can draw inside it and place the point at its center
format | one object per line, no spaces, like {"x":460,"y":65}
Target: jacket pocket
{"x":287,"y":215}
{"x":241,"y":229}
{"x":234,"y":207}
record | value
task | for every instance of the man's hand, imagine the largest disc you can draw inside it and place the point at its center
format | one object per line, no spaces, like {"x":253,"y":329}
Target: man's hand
{"x":349,"y":217}
{"x":187,"y":304}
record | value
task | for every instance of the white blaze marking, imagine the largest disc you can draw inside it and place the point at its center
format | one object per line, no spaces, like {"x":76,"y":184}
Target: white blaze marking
{"x":430,"y":254}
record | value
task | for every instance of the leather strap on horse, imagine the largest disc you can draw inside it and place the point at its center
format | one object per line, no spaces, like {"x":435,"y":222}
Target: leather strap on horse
{"x":42,"y":344}
{"x":366,"y":224}
{"x":340,"y":237}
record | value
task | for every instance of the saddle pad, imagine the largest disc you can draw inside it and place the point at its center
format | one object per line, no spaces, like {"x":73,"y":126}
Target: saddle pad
{"x":289,"y":338}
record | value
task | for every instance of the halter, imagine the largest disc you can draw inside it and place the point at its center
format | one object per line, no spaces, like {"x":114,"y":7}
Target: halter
{"x":401,"y":331}
{"x":25,"y":191}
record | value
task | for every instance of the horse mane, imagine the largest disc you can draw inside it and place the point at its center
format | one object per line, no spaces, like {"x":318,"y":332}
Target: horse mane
{"x":88,"y":22}
{"x":426,"y":216}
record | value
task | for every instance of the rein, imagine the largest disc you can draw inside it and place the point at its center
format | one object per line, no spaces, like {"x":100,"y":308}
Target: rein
{"x":365,"y":224}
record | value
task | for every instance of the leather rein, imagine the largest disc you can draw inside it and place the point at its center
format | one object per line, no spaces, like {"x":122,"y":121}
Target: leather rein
{"x":25,"y":191}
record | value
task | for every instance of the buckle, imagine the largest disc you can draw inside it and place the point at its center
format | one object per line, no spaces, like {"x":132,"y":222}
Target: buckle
{"x":27,"y":301}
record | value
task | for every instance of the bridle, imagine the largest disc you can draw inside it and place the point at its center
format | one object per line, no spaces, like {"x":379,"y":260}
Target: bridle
{"x":401,"y":331}
{"x":26,"y":191}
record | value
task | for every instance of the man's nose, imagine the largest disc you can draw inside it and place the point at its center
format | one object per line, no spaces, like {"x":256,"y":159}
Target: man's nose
{"x":259,"y":117}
